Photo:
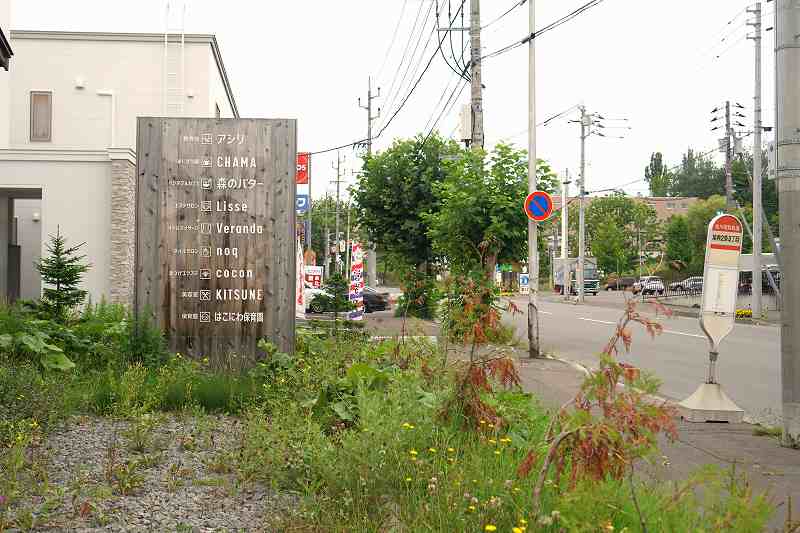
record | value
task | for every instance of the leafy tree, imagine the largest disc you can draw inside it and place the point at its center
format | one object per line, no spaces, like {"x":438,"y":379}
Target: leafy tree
{"x":699,"y":215}
{"x":324,"y":210}
{"x":679,"y":244}
{"x":657,"y":175}
{"x":396,"y":190}
{"x":698,"y":176}
{"x":480,"y":220}
{"x":610,"y":249}
{"x":63,"y":270}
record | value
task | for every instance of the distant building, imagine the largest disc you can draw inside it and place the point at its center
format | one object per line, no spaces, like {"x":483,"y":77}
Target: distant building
{"x":665,"y":206}
{"x":68,"y":114}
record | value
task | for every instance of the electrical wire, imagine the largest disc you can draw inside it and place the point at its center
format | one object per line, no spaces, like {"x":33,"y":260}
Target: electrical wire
{"x":407,"y":48}
{"x":553,"y":25}
{"x":505,"y":13}
{"x":394,"y":37}
{"x":418,"y":62}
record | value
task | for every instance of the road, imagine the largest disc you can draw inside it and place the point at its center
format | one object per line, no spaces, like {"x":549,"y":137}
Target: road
{"x":749,"y":360}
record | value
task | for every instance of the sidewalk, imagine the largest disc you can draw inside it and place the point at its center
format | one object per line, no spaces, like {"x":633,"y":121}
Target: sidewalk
{"x":768,"y":466}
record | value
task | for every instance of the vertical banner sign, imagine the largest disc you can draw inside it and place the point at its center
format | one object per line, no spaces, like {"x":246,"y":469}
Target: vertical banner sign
{"x":313,"y":276}
{"x":721,"y":277}
{"x":215,"y":245}
{"x":303,"y":160}
{"x":300,"y":307}
{"x":357,"y":282}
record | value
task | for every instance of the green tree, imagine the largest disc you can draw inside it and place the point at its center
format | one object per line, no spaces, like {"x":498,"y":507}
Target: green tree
{"x":679,"y":244}
{"x":480,"y":220}
{"x":397,"y":188}
{"x":698,"y":176}
{"x":610,"y":248}
{"x":324,"y":210}
{"x":699,"y":215}
{"x":657,"y":175}
{"x":62,"y":269}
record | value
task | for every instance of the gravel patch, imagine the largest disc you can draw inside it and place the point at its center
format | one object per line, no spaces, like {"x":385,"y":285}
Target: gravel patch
{"x":177,"y":475}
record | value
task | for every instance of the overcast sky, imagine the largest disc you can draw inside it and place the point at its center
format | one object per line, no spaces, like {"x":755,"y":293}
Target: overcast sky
{"x":650,"y":61}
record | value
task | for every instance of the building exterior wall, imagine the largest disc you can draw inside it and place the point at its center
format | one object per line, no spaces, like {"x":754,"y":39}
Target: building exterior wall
{"x":665,"y":207}
{"x":30,"y":239}
{"x":123,"y":224}
{"x":75,"y":199}
{"x":87,"y":172}
{"x":81,"y":117}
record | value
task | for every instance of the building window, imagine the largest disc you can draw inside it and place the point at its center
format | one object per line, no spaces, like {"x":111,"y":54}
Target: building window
{"x":41,"y":116}
{"x":217,"y":112}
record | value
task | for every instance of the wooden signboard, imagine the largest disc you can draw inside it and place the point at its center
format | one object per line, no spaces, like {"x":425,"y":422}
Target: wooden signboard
{"x":215,"y":240}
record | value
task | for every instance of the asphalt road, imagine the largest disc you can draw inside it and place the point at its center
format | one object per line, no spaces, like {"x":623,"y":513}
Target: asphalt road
{"x":748,"y":366}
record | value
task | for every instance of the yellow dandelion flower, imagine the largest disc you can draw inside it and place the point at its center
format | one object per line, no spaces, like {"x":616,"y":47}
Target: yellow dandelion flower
{"x":490,"y":527}
{"x":406,"y":425}
{"x":482,"y":422}
{"x":432,"y":450}
{"x":523,"y":521}
{"x":516,"y":489}
{"x":451,"y":450}
{"x":413,"y":452}
{"x":408,"y":479}
{"x":517,"y":530}
{"x":474,"y":480}
{"x":492,"y":441}
{"x":497,"y":452}
{"x":471,"y":508}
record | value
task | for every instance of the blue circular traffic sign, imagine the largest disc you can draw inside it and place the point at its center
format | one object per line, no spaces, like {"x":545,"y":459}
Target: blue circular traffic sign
{"x":539,"y":206}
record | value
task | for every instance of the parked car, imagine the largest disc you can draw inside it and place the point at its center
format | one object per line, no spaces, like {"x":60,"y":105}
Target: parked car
{"x":692,"y":285}
{"x":375,"y":301}
{"x":649,"y":285}
{"x":619,"y":284}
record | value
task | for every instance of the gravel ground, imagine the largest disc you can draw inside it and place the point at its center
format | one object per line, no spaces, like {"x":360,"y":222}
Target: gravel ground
{"x":183,"y":481}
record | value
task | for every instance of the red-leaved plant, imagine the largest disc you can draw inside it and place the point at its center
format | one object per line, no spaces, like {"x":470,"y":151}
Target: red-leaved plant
{"x":614,"y":420}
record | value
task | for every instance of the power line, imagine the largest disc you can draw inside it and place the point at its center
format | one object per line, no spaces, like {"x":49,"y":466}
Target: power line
{"x":505,"y":13}
{"x":405,"y":51}
{"x":391,"y":101}
{"x":551,"y":26}
{"x":394,"y":37}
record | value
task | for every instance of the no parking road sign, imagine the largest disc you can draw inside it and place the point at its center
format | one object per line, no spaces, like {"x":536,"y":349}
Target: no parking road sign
{"x":538,"y":206}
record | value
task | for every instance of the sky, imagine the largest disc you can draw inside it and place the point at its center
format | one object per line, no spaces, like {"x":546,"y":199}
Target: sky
{"x":662,"y":65}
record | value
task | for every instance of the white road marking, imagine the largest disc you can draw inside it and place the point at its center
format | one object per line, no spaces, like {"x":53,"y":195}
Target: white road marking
{"x":665,"y":331}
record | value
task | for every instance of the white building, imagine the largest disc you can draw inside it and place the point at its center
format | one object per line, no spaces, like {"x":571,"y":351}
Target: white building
{"x":68,"y":111}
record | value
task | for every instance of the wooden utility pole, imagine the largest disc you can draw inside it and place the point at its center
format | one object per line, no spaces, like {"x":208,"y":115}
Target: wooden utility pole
{"x":728,"y":158}
{"x":475,"y":66}
{"x":338,"y":182}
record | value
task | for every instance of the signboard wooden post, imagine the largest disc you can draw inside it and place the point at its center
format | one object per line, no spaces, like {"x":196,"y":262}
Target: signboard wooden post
{"x":717,"y":316}
{"x":215,"y":240}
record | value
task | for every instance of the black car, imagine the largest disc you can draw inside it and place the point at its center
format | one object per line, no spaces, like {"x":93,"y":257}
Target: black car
{"x":375,"y":301}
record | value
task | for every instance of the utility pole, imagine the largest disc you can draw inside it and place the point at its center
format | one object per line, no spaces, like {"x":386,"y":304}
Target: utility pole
{"x":327,"y":238}
{"x":586,"y":124}
{"x":757,"y":227}
{"x":338,"y":182}
{"x":475,"y":65}
{"x":533,"y":227}
{"x":372,"y":256}
{"x":728,"y":157}
{"x":349,"y":244}
{"x":565,"y":234}
{"x":787,"y":123}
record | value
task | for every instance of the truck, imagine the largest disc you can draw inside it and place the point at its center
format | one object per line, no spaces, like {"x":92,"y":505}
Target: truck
{"x":591,"y":278}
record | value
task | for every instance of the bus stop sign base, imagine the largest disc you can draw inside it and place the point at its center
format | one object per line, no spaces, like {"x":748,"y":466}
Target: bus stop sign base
{"x":709,"y":403}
